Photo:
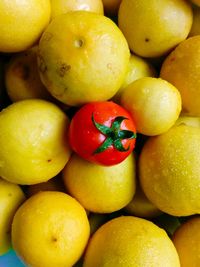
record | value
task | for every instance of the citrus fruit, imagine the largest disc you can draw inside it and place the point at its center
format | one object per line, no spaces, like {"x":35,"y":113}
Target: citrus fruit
{"x":22,"y":77}
{"x":54,"y":226}
{"x":154,"y":104}
{"x":153,"y":28}
{"x":138,"y":68}
{"x":83,"y":57}
{"x":22,"y":23}
{"x":33,"y":141}
{"x":100,"y":188}
{"x":181,"y":68}
{"x":140,"y":206}
{"x":188,"y":120}
{"x":129,"y":241}
{"x":59,"y":7}
{"x":11,"y":197}
{"x":169,"y":170}
{"x":187,"y":242}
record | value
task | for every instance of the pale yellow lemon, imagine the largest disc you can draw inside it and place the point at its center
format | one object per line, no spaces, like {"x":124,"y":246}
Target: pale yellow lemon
{"x":187,"y":242}
{"x":22,"y":77}
{"x":59,"y":7}
{"x":153,"y":28}
{"x":140,"y":205}
{"x":83,"y":57}
{"x":100,"y":188}
{"x":169,"y":170}
{"x":138,"y":68}
{"x":33,"y":141}
{"x":154,"y":103}
{"x":181,"y":68}
{"x":22,"y":23}
{"x":11,"y":197}
{"x":129,"y":241}
{"x":50,"y":229}
{"x":188,"y":120}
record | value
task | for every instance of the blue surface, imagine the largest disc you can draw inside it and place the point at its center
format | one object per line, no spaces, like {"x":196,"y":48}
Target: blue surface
{"x":10,"y":260}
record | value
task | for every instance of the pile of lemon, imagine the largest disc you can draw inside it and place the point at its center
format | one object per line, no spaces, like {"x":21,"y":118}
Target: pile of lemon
{"x":56,"y":208}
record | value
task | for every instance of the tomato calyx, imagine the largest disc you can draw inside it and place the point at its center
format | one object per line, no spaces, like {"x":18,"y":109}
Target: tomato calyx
{"x":114,"y":135}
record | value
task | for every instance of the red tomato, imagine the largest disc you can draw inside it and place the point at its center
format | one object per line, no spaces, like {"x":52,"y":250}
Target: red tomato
{"x":102,"y":132}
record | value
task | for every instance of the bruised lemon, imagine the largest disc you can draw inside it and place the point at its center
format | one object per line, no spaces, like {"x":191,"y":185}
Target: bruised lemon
{"x":83,"y":57}
{"x":22,"y":77}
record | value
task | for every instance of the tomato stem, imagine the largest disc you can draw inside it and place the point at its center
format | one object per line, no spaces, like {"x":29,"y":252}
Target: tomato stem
{"x":114,"y":135}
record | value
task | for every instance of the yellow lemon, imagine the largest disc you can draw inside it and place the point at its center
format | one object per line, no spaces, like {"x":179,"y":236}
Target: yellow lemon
{"x":169,"y":170}
{"x":187,"y":242}
{"x":188,"y":120}
{"x":153,"y":28}
{"x":140,"y":205}
{"x":22,"y":77}
{"x":100,"y":188}
{"x":154,"y":103}
{"x":59,"y":7}
{"x":22,"y":23}
{"x":33,"y":141}
{"x":129,"y":241}
{"x":181,"y":68}
{"x":50,"y":229}
{"x":137,"y":68}
{"x":11,"y":197}
{"x":83,"y":57}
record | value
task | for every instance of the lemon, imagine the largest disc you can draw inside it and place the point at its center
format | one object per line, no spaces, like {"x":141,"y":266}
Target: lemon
{"x":154,"y":104}
{"x":140,"y":206}
{"x":33,"y":141}
{"x":50,"y":229}
{"x":137,"y":68}
{"x":188,"y":120}
{"x":83,"y":57}
{"x":153,"y":28}
{"x":100,"y":188}
{"x":181,"y":68}
{"x":22,"y":23}
{"x":11,"y":197}
{"x":59,"y":7}
{"x":129,"y":241}
{"x":187,"y":242}
{"x":169,"y":170}
{"x":22,"y":77}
